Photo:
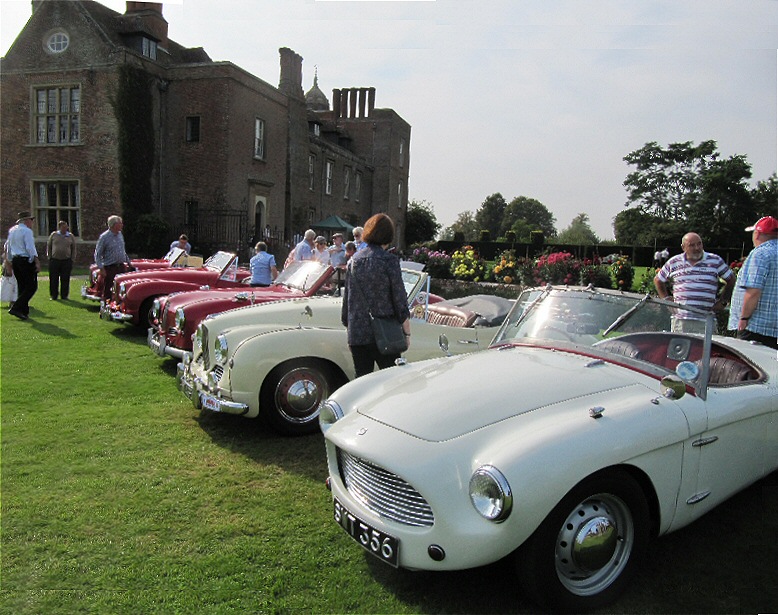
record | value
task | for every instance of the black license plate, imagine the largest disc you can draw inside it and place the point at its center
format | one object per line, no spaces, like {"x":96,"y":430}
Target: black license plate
{"x":383,"y":546}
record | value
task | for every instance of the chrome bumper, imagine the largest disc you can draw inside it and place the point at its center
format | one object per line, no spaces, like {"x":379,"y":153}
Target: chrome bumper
{"x":106,"y":313}
{"x":158,"y":345}
{"x":85,"y":294}
{"x":193,"y":388}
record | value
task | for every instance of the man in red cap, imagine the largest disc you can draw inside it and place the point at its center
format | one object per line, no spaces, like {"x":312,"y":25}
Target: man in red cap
{"x":754,"y":311}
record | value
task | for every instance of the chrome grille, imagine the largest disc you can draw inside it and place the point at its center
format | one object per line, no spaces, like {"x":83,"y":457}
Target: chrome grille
{"x":384,"y":493}
{"x":218,"y":373}
{"x":163,"y":316}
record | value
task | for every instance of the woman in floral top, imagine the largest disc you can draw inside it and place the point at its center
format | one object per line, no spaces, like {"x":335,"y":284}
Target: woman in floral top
{"x":374,"y":282}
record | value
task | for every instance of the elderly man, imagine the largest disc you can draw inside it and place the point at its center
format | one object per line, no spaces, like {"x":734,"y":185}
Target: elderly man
{"x":20,"y":248}
{"x":695,"y":276}
{"x":111,"y":255}
{"x":754,"y":313}
{"x":303,"y":251}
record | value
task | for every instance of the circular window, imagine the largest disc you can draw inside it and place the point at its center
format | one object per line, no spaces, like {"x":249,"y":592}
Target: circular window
{"x":58,"y":42}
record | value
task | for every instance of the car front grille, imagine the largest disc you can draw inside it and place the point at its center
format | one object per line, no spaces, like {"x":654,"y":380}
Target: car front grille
{"x":384,"y":493}
{"x":218,"y":373}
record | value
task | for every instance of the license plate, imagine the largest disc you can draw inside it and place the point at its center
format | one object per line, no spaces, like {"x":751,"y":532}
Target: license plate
{"x":383,"y":546}
{"x":211,"y":403}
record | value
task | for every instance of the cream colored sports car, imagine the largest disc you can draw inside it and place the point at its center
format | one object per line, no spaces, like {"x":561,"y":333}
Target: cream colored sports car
{"x":587,"y":427}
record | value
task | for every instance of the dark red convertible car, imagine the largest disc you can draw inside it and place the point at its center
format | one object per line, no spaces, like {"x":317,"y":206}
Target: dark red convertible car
{"x":174,"y":318}
{"x":93,"y":289}
{"x":134,"y":293}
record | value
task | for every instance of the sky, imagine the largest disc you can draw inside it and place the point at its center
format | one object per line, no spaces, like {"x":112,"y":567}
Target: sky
{"x":534,"y":98}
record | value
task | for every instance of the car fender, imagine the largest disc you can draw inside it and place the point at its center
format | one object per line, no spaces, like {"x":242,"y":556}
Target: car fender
{"x":256,"y":356}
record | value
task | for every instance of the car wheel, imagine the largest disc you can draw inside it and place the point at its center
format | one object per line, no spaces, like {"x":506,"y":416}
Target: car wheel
{"x":292,"y":395}
{"x":587,"y":549}
{"x":144,"y":313}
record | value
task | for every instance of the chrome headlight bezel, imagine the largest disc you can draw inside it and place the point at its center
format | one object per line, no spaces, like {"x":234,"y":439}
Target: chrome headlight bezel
{"x":329,"y":414}
{"x":156,"y":309}
{"x":220,"y":349}
{"x":122,"y":290}
{"x":491,"y":494}
{"x":180,"y":319}
{"x":197,"y":339}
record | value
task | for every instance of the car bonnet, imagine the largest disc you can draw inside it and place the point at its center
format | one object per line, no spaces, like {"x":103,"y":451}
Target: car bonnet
{"x":443,"y":399}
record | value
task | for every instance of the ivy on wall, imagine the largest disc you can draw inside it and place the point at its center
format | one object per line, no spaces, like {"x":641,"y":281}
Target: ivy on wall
{"x":133,"y":107}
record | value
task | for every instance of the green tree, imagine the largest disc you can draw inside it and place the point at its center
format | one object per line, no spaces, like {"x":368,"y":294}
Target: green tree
{"x":464,"y":224}
{"x":579,"y":232}
{"x":420,"y":223}
{"x":524,"y":214}
{"x":687,"y":187}
{"x":633,"y":227}
{"x":765,"y":196}
{"x":490,"y":215}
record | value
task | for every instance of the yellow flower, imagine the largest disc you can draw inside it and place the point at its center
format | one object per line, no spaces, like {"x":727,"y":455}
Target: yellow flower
{"x":508,"y":279}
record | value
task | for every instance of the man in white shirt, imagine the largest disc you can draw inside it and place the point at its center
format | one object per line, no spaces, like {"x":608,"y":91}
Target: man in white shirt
{"x":20,"y":248}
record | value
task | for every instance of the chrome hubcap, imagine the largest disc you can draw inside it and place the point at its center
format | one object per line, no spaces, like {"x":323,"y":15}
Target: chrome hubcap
{"x":299,"y":395}
{"x":594,"y":544}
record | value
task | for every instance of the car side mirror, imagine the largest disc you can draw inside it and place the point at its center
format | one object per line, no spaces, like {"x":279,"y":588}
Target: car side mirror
{"x":672,"y":387}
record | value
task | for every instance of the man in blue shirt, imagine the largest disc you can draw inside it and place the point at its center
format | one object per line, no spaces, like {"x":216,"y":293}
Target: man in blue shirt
{"x":304,"y":250}
{"x":111,"y":255}
{"x":754,"y":311}
{"x":20,"y":248}
{"x":263,"y":266}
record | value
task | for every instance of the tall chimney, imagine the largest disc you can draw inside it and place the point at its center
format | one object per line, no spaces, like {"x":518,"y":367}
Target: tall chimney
{"x":336,"y":102}
{"x":291,"y":81}
{"x":150,"y":14}
{"x":370,"y":101}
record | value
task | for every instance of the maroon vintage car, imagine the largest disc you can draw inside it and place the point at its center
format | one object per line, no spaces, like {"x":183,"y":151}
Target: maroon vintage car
{"x":134,"y":293}
{"x":174,"y":318}
{"x":93,"y":288}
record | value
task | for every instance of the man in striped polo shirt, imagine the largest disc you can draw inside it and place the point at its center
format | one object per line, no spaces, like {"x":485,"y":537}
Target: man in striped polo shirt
{"x":694,"y":275}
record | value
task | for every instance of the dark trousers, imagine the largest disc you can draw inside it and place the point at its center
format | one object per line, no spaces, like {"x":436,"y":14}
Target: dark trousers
{"x":758,"y":337}
{"x":27,"y":279}
{"x":111,"y":272}
{"x":365,"y":356}
{"x":59,"y":277}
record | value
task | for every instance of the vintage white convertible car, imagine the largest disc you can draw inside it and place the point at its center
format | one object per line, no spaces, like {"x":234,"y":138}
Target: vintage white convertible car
{"x":279,"y":361}
{"x":586,"y":428}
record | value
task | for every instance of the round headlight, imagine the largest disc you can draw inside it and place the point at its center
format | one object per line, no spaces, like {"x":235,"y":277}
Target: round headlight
{"x":220,"y":349}
{"x":329,"y":414}
{"x":490,"y":494}
{"x":180,"y":319}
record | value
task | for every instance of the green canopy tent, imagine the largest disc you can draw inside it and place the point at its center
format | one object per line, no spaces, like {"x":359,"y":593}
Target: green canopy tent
{"x":333,"y":224}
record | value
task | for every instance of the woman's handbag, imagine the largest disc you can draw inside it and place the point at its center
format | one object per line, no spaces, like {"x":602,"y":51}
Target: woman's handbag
{"x":388,"y":333}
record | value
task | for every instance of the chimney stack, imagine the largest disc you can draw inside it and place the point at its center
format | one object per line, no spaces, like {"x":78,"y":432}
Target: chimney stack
{"x":150,"y":13}
{"x":291,"y":81}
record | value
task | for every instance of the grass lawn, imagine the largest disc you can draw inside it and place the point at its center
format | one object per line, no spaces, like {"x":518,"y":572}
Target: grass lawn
{"x":118,"y":497}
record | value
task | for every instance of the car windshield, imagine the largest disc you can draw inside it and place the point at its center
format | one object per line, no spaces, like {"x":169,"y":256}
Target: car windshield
{"x":174,"y":255}
{"x":303,"y":275}
{"x":221,"y":262}
{"x":590,"y":316}
{"x":412,"y":283}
